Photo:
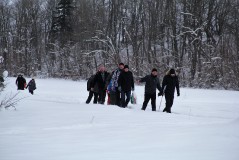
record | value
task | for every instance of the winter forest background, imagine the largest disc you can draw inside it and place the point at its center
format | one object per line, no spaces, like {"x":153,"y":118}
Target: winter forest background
{"x":71,"y":38}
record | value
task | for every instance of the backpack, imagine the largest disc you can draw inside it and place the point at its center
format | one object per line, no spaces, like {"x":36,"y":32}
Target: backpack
{"x":89,"y":82}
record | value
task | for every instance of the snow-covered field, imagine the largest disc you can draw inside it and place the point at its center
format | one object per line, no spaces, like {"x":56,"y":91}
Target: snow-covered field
{"x":56,"y":124}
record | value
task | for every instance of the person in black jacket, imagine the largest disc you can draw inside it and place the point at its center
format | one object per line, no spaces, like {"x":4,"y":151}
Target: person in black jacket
{"x":1,"y":81}
{"x":100,"y":79}
{"x":31,"y":86}
{"x":20,"y":82}
{"x":170,"y":82}
{"x":152,"y":83}
{"x":93,"y":92}
{"x":125,"y":85}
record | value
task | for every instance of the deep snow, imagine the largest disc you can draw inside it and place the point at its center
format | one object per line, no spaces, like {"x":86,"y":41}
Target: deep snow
{"x":56,"y":124}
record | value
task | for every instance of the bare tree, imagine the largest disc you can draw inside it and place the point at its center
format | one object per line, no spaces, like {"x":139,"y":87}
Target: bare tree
{"x":200,"y":40}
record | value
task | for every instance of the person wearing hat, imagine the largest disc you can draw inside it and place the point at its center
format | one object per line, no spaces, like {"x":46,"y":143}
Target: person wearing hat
{"x":31,"y":85}
{"x":152,"y":83}
{"x":125,"y":85}
{"x":170,"y":82}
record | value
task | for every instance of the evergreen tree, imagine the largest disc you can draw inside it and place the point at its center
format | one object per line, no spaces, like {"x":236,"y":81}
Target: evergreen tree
{"x":62,"y":29}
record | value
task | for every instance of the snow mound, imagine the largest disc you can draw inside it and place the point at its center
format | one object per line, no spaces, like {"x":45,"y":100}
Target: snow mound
{"x":5,"y":74}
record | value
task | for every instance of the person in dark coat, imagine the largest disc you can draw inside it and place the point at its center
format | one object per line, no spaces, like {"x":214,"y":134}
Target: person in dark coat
{"x":1,"y":81}
{"x":31,"y":86}
{"x":93,"y":92}
{"x":100,"y":79}
{"x":20,"y":82}
{"x":170,"y":82}
{"x":115,"y":96}
{"x":152,"y":83}
{"x":125,"y":85}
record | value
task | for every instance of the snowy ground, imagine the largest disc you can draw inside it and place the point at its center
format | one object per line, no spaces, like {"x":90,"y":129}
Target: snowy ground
{"x":56,"y":124}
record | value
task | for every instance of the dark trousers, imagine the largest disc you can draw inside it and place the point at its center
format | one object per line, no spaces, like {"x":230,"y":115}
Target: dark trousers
{"x":117,"y":96}
{"x":31,"y":91}
{"x":169,"y":102}
{"x":147,"y":97}
{"x":20,"y":87}
{"x":102,"y":95}
{"x":124,"y":102}
{"x":91,"y":94}
{"x":112,"y":98}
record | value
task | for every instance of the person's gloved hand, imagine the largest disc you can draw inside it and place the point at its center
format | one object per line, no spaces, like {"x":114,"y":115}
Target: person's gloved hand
{"x":178,"y":94}
{"x":137,"y":81}
{"x":160,"y":94}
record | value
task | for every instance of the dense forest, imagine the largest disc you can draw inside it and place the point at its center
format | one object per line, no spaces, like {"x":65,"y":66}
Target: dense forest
{"x":71,"y":38}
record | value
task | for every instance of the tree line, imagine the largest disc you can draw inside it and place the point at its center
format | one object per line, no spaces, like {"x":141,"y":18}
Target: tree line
{"x":71,"y":38}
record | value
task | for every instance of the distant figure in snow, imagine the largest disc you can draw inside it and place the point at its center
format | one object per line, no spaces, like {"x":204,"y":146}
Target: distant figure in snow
{"x":92,"y":92}
{"x":20,"y":82}
{"x":1,"y":81}
{"x":3,"y":77}
{"x":31,"y":85}
{"x":152,"y":83}
{"x":170,"y":82}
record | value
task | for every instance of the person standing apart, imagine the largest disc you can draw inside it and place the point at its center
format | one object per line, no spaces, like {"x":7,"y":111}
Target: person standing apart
{"x":125,"y":85}
{"x":114,"y":85}
{"x":20,"y":82}
{"x":100,"y":80}
{"x":31,"y":86}
{"x":170,"y":82}
{"x":152,"y":83}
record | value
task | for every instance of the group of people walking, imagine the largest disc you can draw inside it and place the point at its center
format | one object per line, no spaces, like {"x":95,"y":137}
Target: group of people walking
{"x":170,"y":82}
{"x":21,"y":84}
{"x":117,"y":85}
{"x":120,"y":83}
